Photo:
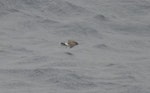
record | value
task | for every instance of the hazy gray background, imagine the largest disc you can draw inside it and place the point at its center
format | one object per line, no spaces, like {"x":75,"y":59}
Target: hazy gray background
{"x":113,"y":55}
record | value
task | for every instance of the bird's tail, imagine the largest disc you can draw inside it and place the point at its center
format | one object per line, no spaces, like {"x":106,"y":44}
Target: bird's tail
{"x":63,"y":44}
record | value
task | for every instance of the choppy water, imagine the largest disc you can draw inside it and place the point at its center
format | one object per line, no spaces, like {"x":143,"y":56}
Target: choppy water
{"x":112,"y":55}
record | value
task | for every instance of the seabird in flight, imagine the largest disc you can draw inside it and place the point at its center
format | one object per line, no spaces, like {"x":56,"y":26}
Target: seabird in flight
{"x":70,"y":43}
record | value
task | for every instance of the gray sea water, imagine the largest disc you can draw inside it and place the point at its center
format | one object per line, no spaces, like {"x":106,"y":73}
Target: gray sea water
{"x":113,"y":55}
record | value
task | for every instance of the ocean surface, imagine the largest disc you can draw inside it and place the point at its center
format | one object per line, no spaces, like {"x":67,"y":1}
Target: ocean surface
{"x":113,"y":55}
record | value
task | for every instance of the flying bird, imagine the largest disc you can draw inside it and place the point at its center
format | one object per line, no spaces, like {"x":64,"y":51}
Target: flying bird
{"x":70,"y":43}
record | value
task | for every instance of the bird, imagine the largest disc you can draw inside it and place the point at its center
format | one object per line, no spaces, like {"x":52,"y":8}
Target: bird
{"x":70,"y":43}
